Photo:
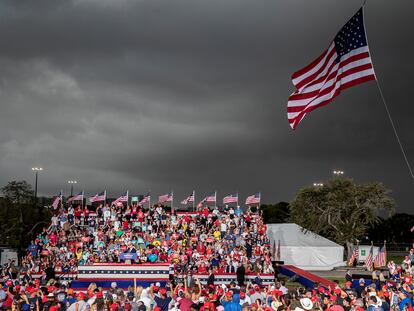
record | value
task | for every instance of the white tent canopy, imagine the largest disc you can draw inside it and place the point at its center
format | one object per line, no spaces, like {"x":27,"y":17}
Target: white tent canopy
{"x":307,"y":251}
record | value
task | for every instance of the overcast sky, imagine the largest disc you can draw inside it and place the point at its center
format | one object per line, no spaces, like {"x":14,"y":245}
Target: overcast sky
{"x":191,"y":94}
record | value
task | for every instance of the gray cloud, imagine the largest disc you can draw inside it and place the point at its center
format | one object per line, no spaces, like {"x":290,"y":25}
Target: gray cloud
{"x":192,"y":94}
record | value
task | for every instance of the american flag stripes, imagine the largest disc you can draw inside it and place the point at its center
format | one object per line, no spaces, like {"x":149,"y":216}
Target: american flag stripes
{"x":211,"y":198}
{"x":57,"y":200}
{"x":253,"y":199}
{"x":146,"y":199}
{"x":232,"y":198}
{"x":369,"y":260}
{"x":188,"y":199}
{"x":345,"y":63}
{"x":165,"y":198}
{"x":121,"y":199}
{"x":78,"y":197}
{"x":98,"y":197}
{"x":381,"y":258}
{"x":354,"y":256}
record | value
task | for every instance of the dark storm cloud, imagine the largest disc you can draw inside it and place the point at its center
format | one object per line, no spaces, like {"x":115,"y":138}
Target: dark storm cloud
{"x":192,"y":94}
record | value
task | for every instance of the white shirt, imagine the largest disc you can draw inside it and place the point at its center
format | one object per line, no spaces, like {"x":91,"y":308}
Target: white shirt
{"x":82,"y":306}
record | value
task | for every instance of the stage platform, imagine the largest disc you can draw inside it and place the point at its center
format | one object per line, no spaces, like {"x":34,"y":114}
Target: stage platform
{"x":306,"y":278}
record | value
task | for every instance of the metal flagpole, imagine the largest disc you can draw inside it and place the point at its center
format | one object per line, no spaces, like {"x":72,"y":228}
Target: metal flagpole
{"x":193,"y":200}
{"x":127,"y":198}
{"x":149,"y":200}
{"x":83,"y":194}
{"x":172,"y":200}
{"x":386,"y":108}
{"x":61,"y":199}
{"x":105,"y":197}
{"x":215,"y":199}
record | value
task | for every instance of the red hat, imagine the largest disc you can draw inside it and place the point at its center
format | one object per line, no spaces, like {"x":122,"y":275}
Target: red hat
{"x":51,"y":289}
{"x":81,"y":294}
{"x":348,"y":283}
{"x":113,"y":306}
{"x":127,"y":306}
{"x":242,"y":295}
{"x":257,"y":288}
{"x":155,"y":289}
{"x":54,"y":308}
{"x":337,"y":290}
{"x":314,"y":299}
{"x":321,"y":289}
{"x":215,"y":297}
{"x":386,"y":294}
{"x":332,"y":298}
{"x":229,"y":294}
{"x":156,"y":309}
{"x":163,"y":291}
{"x":9,"y":283}
{"x":37,"y":281}
{"x":99,"y":295}
{"x":90,"y":295}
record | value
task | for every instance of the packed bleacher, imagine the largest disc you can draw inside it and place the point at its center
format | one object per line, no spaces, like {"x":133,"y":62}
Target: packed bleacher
{"x":220,"y":240}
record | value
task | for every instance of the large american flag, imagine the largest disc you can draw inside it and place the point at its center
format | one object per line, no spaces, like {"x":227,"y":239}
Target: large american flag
{"x":57,"y":200}
{"x":253,"y":199}
{"x":232,"y":198}
{"x":370,"y":258}
{"x":165,"y":198}
{"x":98,"y":197}
{"x":188,"y":199}
{"x":345,"y":63}
{"x":354,"y":256}
{"x":211,"y":197}
{"x":121,"y":199}
{"x":146,"y":199}
{"x":381,"y":258}
{"x":78,"y":197}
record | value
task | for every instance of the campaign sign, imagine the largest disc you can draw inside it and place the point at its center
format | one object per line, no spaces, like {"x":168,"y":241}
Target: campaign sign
{"x":128,"y":256}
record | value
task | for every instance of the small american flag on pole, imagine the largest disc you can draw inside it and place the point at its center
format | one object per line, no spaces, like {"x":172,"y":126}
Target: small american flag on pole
{"x":253,"y":199}
{"x":370,"y":258}
{"x":381,"y":258}
{"x":121,"y":199}
{"x":57,"y":200}
{"x":354,"y":256}
{"x":78,"y":197}
{"x":345,"y":63}
{"x":98,"y":197}
{"x":188,"y":199}
{"x":146,"y":199}
{"x":165,"y":198}
{"x":211,"y":198}
{"x":232,"y":198}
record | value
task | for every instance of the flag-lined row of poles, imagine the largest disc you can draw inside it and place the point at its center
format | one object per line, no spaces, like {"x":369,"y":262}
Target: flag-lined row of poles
{"x":370,"y":262}
{"x":253,"y":199}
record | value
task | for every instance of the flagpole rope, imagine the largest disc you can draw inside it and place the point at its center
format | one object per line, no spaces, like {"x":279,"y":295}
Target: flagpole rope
{"x":387,"y":110}
{"x":395,"y":130}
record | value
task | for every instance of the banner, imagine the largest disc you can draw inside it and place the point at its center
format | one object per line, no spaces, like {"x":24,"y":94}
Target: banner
{"x":128,"y":256}
{"x":134,"y":199}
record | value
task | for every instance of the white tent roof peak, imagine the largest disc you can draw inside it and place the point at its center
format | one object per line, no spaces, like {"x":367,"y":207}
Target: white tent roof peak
{"x":291,"y":234}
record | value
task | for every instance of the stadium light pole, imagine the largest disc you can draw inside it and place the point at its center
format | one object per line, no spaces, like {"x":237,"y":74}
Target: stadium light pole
{"x":338,"y":173}
{"x":71,"y":182}
{"x":36,"y":170}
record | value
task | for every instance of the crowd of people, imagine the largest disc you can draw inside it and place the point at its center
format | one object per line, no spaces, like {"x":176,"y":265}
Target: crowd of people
{"x":209,"y":241}
{"x":188,"y":294}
